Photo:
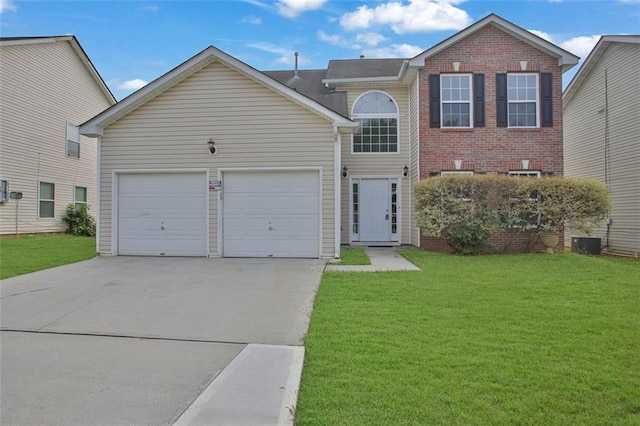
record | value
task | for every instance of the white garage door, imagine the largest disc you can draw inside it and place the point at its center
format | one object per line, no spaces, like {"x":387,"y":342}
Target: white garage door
{"x":271,"y":214}
{"x":162,"y":214}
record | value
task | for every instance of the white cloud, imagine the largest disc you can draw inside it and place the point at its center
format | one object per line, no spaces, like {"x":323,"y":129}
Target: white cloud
{"x":412,"y":17}
{"x":336,"y":40}
{"x":286,"y":55}
{"x":134,"y":84}
{"x":394,"y":51}
{"x":253,"y":20}
{"x":542,"y":34}
{"x":8,"y":5}
{"x":148,"y":8}
{"x":580,"y":46}
{"x":372,"y":39}
{"x":293,"y":8}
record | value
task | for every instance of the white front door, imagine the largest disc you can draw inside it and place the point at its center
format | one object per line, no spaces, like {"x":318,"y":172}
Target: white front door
{"x":374,"y":210}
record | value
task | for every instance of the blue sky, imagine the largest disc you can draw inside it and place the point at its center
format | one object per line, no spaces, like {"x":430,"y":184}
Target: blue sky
{"x":134,"y":42}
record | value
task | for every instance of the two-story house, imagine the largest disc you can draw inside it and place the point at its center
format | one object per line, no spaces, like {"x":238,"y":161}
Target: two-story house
{"x":215,"y":158}
{"x":48,"y":87}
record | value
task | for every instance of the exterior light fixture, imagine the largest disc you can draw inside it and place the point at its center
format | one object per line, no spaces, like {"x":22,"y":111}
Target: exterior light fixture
{"x":212,"y":146}
{"x":345,"y":172}
{"x":405,"y":171}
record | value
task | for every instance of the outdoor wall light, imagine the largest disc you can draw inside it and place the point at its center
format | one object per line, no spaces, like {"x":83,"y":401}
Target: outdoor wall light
{"x":405,"y":171}
{"x":345,"y":172}
{"x":212,"y":146}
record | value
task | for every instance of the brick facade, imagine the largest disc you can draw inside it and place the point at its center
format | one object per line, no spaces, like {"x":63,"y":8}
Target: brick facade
{"x":490,"y":149}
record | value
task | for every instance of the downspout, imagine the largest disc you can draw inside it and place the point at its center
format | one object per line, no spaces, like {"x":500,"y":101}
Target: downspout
{"x":337,"y":144}
{"x":98,"y":192}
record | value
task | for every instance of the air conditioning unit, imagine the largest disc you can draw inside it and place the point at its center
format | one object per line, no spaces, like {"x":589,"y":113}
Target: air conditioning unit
{"x":586,"y":245}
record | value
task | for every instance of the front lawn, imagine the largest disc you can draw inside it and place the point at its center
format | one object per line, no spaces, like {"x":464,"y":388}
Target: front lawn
{"x":30,"y":253}
{"x":504,"y":339}
{"x":353,"y":256}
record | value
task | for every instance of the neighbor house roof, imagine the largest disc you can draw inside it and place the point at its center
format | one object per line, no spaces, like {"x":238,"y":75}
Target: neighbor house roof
{"x":16,"y":41}
{"x":94,"y":126}
{"x":566,"y":60}
{"x":593,"y":58}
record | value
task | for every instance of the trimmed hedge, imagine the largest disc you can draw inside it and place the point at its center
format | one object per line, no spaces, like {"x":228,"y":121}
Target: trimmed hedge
{"x":467,"y":210}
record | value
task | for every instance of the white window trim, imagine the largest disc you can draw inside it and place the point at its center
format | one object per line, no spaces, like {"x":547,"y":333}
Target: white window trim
{"x":4,"y":191}
{"x":535,"y":173}
{"x":73,"y":136}
{"x":470,"y":102}
{"x":357,"y":116}
{"x":42,"y":199}
{"x":509,"y":101}
{"x":456,"y":172}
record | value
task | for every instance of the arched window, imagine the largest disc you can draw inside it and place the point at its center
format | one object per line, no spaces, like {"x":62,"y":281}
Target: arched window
{"x":377,"y":114}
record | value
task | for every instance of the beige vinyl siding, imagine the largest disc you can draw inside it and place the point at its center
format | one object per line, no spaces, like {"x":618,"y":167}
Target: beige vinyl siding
{"x":380,"y":164}
{"x":584,"y":138}
{"x":253,"y":127}
{"x":414,"y":173}
{"x":42,"y":87}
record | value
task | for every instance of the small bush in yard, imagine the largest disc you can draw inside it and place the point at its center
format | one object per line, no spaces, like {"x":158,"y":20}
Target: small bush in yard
{"x":467,"y":210}
{"x":80,"y":222}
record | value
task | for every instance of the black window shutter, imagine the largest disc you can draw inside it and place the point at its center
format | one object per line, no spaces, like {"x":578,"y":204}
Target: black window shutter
{"x":547,"y":100}
{"x":501,"y":100}
{"x":478,"y":100}
{"x":434,"y":100}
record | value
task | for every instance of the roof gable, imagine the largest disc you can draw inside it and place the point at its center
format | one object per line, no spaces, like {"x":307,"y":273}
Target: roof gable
{"x":566,"y":60}
{"x":17,"y":41}
{"x":591,"y":61}
{"x":95,"y":126}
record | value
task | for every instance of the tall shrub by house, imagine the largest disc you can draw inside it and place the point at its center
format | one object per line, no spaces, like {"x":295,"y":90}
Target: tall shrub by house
{"x":467,"y":210}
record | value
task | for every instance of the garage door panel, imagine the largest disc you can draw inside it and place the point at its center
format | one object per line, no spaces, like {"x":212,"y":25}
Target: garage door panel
{"x":162,"y":214}
{"x":271,"y":214}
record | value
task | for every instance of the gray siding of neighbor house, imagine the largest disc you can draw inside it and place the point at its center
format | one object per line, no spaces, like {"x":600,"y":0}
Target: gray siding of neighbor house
{"x":44,"y":86}
{"x":585,"y":137}
{"x":253,"y":126}
{"x":363,"y":165}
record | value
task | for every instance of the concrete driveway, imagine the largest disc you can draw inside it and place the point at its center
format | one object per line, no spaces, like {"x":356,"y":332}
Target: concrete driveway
{"x":124,"y":340}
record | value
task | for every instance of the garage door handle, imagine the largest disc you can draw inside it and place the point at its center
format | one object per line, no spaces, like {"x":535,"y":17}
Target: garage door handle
{"x":270,"y":229}
{"x":386,"y":217}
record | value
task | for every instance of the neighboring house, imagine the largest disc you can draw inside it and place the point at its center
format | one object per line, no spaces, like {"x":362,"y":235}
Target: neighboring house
{"x":308,"y":160}
{"x":602,"y":134}
{"x":48,"y":87}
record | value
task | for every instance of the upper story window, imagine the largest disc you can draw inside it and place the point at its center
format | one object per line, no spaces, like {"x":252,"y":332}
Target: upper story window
{"x":73,"y":141}
{"x":456,"y":100}
{"x":456,"y":96}
{"x":524,"y":100}
{"x":377,"y":115}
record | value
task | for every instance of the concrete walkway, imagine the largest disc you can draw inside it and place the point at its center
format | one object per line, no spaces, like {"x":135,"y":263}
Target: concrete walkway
{"x":382,"y":259}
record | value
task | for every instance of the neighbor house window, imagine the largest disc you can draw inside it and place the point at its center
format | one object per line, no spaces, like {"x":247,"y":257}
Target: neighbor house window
{"x":46,"y":197}
{"x":525,"y":173}
{"x":456,"y":172}
{"x":73,"y":141}
{"x":80,"y":196}
{"x":4,"y":191}
{"x":377,"y":115}
{"x":455,"y":97}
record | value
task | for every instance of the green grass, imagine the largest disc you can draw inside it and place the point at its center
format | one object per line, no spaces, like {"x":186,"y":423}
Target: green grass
{"x":30,"y":253}
{"x":520,"y":339}
{"x":353,"y":256}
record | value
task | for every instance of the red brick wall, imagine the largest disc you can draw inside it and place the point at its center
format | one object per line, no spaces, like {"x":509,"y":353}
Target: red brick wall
{"x":490,"y":149}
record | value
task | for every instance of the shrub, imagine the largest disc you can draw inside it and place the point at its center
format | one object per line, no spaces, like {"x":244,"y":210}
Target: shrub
{"x":79,"y":221}
{"x":467,"y":210}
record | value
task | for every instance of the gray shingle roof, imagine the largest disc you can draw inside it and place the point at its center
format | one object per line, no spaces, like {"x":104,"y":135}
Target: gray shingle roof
{"x":310,"y":84}
{"x":363,"y":68}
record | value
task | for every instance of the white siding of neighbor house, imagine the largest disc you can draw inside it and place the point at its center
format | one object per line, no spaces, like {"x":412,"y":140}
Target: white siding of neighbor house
{"x":253,"y":127}
{"x":380,"y":164}
{"x":42,"y":87}
{"x":414,"y":123}
{"x":584,"y":139}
